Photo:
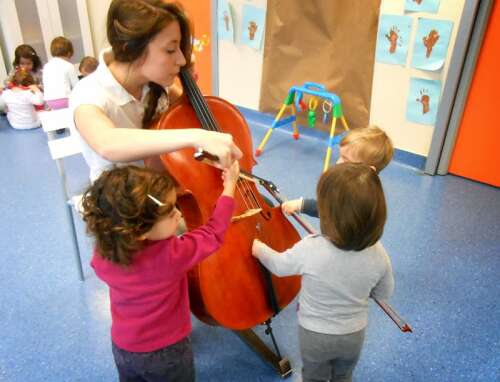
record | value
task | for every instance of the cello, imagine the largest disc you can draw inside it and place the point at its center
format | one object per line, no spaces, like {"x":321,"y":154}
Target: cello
{"x":230,"y":288}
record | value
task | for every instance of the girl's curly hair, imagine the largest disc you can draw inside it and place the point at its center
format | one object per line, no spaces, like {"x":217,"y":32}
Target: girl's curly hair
{"x":118,"y":211}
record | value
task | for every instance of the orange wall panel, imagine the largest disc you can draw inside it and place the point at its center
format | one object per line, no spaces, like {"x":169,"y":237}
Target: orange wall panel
{"x":477,"y":150}
{"x":199,"y":12}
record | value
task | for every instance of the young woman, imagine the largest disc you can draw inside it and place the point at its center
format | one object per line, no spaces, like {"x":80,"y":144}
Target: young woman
{"x":150,"y":43}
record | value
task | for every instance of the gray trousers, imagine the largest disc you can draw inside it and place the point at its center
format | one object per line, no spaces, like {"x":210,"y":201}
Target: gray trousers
{"x":329,"y":357}
{"x":173,"y":363}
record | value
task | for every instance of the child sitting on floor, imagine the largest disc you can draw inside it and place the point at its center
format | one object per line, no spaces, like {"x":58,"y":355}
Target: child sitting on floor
{"x":25,"y":58}
{"x":369,"y":145}
{"x":88,"y":65}
{"x":20,"y":100}
{"x":132,"y":214}
{"x":341,"y":268}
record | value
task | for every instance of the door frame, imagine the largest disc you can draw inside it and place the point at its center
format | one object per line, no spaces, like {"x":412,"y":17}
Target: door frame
{"x":3,"y":70}
{"x":473,"y":24}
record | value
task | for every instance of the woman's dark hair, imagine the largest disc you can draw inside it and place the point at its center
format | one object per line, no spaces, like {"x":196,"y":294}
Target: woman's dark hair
{"x":351,"y":205}
{"x":118,"y":211}
{"x":27,"y":51}
{"x":131,"y":24}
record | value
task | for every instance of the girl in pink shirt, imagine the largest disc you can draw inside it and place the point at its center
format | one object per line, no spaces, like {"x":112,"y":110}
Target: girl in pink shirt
{"x":131,"y":213}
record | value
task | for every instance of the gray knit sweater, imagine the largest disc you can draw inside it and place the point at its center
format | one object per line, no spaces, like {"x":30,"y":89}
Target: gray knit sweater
{"x":336,"y":284}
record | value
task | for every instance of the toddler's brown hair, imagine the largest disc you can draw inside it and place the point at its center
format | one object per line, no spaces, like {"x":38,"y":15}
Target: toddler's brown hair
{"x":351,"y":205}
{"x":61,"y":47}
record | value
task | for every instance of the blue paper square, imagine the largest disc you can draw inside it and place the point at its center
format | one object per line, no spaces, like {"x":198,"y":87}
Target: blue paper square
{"x":423,"y":101}
{"x":393,"y":39}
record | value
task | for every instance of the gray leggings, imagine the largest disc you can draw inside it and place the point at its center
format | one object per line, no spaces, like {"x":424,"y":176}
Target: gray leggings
{"x":171,"y":363}
{"x":329,"y":357}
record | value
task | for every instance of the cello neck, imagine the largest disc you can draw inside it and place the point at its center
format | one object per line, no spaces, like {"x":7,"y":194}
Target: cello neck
{"x":198,"y":102}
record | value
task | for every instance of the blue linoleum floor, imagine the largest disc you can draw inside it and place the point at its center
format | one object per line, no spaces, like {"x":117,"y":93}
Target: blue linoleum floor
{"x":443,"y":234}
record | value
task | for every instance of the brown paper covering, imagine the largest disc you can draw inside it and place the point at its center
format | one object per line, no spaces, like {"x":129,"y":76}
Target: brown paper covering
{"x":331,"y":42}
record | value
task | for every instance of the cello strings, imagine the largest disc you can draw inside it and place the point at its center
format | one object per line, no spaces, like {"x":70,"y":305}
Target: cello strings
{"x":206,"y":117}
{"x":205,"y":121}
{"x":203,"y":107}
{"x":248,"y":189}
{"x":205,"y":113}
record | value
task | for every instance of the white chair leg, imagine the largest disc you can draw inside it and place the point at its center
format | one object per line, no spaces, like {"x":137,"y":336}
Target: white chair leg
{"x":69,"y":218}
{"x":74,"y":240}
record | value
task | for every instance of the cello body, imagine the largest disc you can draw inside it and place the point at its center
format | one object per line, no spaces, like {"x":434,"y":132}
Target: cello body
{"x":228,"y":288}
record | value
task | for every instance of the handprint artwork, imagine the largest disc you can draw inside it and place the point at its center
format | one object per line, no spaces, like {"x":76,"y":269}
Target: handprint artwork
{"x":425,"y":100}
{"x":393,"y":37}
{"x":226,"y":20}
{"x":225,"y":28}
{"x":252,"y":28}
{"x":430,"y":6}
{"x":429,"y":42}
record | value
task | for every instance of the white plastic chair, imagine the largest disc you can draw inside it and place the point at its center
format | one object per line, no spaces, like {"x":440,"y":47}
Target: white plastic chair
{"x":61,"y":148}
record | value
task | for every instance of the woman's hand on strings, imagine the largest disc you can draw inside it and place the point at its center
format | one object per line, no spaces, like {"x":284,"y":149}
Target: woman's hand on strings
{"x":222,"y":146}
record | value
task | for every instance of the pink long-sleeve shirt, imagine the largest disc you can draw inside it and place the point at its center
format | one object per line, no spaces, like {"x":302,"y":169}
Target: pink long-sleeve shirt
{"x":149,"y":298}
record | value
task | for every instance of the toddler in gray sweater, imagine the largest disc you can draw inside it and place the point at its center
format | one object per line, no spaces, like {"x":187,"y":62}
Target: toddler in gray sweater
{"x":341,"y":269}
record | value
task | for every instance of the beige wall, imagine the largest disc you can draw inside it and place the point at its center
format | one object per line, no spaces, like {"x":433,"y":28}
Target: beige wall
{"x":391,"y":82}
{"x":240,"y":71}
{"x":97,"y":14}
{"x":240,"y":67}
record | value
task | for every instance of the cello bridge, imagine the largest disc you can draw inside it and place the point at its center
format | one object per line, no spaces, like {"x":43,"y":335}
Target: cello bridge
{"x":246,"y":214}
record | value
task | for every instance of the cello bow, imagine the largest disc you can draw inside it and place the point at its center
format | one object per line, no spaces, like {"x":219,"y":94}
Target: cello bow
{"x":388,"y":309}
{"x":274,"y":191}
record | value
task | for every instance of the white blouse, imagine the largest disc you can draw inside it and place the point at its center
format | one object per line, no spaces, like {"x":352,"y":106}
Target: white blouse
{"x":21,"y":112}
{"x":101,"y":89}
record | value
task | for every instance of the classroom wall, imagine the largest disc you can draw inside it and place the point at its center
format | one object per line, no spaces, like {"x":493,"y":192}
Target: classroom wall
{"x":240,"y":67}
{"x":391,"y":82}
{"x":98,"y":10}
{"x":197,"y":11}
{"x":11,"y":32}
{"x":240,"y":71}
{"x":3,"y":70}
